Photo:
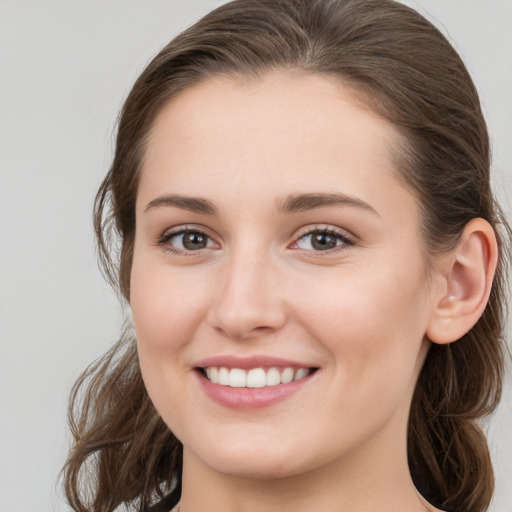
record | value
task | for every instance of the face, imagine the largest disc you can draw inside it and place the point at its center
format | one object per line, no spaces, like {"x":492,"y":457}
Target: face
{"x":278,"y":287}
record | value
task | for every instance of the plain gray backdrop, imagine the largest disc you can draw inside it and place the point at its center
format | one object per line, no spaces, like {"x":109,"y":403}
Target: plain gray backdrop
{"x":65,"y":67}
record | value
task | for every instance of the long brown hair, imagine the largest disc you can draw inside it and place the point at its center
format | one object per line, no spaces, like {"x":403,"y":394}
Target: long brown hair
{"x":401,"y":67}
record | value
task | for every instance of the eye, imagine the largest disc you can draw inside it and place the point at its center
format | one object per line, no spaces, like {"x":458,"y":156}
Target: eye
{"x":186,"y":240}
{"x":322,"y":239}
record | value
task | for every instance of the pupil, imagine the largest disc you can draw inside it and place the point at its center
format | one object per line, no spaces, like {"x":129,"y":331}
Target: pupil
{"x":193,"y":241}
{"x":323,"y":241}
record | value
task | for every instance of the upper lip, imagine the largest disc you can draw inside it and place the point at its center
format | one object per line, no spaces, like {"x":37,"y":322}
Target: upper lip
{"x":246,"y":363}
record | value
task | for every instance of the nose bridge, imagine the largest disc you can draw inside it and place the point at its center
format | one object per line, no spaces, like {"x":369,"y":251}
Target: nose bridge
{"x":248,"y":302}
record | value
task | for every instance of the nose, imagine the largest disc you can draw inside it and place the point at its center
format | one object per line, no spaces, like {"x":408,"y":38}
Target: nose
{"x":248,"y":303}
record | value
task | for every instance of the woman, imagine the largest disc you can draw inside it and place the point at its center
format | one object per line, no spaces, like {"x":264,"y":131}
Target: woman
{"x":315,"y":265}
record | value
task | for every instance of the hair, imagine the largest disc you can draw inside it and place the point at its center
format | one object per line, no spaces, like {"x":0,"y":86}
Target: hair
{"x":400,"y":66}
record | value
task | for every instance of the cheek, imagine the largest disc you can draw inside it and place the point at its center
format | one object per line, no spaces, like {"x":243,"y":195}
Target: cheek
{"x":166,"y":306}
{"x":166,"y":313}
{"x":373,"y":332}
{"x":371,"y":324}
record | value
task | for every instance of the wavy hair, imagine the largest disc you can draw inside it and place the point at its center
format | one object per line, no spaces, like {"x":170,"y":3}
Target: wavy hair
{"x":401,"y":67}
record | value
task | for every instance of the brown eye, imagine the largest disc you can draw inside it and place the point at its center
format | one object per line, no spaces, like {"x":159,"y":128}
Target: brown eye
{"x":322,"y":240}
{"x":187,"y":240}
{"x":194,"y":241}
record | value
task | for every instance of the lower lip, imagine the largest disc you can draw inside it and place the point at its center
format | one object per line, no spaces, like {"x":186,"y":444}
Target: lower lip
{"x":251,"y":398}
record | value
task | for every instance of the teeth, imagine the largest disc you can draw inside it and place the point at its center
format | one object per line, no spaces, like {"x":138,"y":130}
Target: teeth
{"x":301,"y":373}
{"x":254,"y":378}
{"x":237,"y":378}
{"x":287,"y":375}
{"x":224,"y":376}
{"x":273,"y":377}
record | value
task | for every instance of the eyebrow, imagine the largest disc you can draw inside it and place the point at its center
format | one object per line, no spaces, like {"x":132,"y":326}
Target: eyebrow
{"x":291,"y":204}
{"x":192,"y":204}
{"x":304,"y":202}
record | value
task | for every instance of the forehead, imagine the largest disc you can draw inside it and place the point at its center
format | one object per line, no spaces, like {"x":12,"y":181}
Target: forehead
{"x":258,"y":138}
{"x":302,"y":108}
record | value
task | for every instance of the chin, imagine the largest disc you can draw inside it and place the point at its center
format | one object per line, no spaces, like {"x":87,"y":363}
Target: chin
{"x":254,"y":460}
{"x":257,"y":469}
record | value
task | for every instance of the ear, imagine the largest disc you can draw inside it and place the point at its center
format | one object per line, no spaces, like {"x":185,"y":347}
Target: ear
{"x":466,"y":275}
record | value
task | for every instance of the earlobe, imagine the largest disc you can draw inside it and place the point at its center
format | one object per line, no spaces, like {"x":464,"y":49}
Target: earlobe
{"x":467,"y":272}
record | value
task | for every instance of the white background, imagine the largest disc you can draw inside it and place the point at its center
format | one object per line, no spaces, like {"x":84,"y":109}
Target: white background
{"x":65,"y":67}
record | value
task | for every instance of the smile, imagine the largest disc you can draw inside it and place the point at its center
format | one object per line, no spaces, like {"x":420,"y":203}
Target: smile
{"x":252,"y":383}
{"x":255,"y":377}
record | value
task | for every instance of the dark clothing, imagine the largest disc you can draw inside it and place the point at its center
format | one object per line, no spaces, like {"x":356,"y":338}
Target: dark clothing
{"x":167,"y":503}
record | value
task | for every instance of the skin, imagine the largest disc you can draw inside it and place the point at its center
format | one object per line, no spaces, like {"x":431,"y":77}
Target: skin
{"x":359,"y":312}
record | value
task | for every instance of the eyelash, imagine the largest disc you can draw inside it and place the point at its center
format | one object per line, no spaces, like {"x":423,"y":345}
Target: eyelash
{"x":163,"y":241}
{"x":341,"y":235}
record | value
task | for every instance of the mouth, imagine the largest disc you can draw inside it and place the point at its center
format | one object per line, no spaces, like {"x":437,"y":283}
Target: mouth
{"x":259,"y":377}
{"x":255,"y":382}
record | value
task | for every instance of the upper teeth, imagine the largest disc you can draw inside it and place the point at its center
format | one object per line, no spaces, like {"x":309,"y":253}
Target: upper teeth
{"x":255,"y":378}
